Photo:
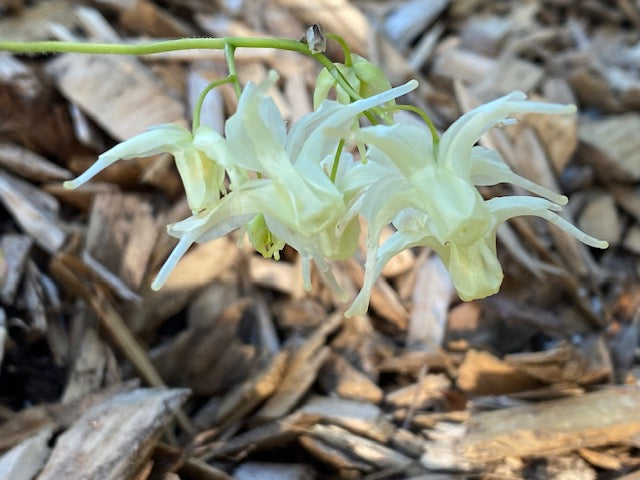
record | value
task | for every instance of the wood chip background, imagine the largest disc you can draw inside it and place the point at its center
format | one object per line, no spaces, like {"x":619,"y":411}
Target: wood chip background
{"x":233,"y":370}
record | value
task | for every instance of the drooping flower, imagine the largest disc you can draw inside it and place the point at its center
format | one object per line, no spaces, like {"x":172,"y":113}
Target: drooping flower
{"x":201,"y":175}
{"x":430,"y":195}
{"x":290,"y":191}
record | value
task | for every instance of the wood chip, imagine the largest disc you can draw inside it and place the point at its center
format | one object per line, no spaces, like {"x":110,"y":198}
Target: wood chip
{"x":600,"y":218}
{"x":483,"y":374}
{"x":303,"y":367}
{"x":121,"y":235}
{"x":611,"y":146}
{"x":32,"y":209}
{"x":363,"y":449}
{"x":25,"y":460}
{"x":14,"y":252}
{"x":127,"y":105}
{"x":30,"y":165}
{"x":599,"y":418}
{"x":340,"y":377}
{"x":432,"y":296}
{"x":129,"y":427}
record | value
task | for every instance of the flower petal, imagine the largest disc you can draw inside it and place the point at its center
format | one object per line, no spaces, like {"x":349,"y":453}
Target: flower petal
{"x":162,"y":138}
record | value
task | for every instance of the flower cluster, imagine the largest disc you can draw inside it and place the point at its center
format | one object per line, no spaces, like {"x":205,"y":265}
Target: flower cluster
{"x":303,"y":188}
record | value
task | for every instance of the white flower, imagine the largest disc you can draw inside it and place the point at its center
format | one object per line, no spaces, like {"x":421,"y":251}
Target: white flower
{"x":201,"y":175}
{"x":291,"y":190}
{"x":431,"y":196}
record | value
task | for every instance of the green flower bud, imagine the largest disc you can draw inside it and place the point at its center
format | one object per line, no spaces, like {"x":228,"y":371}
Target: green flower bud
{"x":262,"y":239}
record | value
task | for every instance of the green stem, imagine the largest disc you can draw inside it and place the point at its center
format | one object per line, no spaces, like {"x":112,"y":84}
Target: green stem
{"x":155,"y":47}
{"x":336,"y":161}
{"x":229,"y":53}
{"x":424,"y":116}
{"x":348,"y":61}
{"x":198,"y":107}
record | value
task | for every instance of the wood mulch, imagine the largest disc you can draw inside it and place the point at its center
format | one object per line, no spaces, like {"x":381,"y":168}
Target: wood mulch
{"x":232,"y":370}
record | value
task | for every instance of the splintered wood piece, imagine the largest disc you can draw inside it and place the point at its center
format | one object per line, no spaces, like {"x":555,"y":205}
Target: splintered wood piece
{"x":89,"y":367}
{"x":611,"y":145}
{"x":202,"y":265}
{"x":409,"y":19}
{"x":599,"y":418}
{"x":127,"y":104}
{"x":29,"y":165}
{"x":253,"y":391}
{"x":334,"y":457}
{"x":121,"y":235}
{"x":485,"y":34}
{"x":34,"y":22}
{"x":129,"y":426}
{"x":279,"y":432}
{"x":146,"y":17}
{"x":34,"y":210}
{"x":280,"y":276}
{"x":14,"y":252}
{"x":340,"y":377}
{"x":483,"y":374}
{"x":432,"y":296}
{"x":302,"y":370}
{"x":462,"y":65}
{"x":20,"y":77}
{"x":361,"y":448}
{"x":564,"y":363}
{"x":420,"y":395}
{"x":25,"y":460}
{"x":362,"y":418}
{"x":213,"y":356}
{"x":559,"y":136}
{"x":600,"y":218}
{"x":273,"y":471}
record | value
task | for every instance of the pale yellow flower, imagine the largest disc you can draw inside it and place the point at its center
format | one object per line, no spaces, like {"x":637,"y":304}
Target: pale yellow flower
{"x":430,"y":195}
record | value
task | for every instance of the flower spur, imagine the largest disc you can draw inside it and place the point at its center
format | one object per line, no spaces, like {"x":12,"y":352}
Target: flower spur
{"x":201,"y":176}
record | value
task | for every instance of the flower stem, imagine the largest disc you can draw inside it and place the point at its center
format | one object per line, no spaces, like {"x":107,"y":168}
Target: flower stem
{"x":45,"y":47}
{"x":198,"y":106}
{"x":423,"y":115}
{"x":336,"y":161}
{"x":229,"y":53}
{"x":348,"y":61}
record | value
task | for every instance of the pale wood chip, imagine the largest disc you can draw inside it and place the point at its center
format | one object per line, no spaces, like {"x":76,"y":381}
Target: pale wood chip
{"x":129,"y":427}
{"x":429,"y":389}
{"x":340,"y":377}
{"x":408,"y":19}
{"x":611,"y":146}
{"x":253,"y":391}
{"x":483,"y":374}
{"x":280,"y":276}
{"x":144,"y":17}
{"x":302,"y":370}
{"x":361,"y":448}
{"x":273,"y":471}
{"x":130,"y":102}
{"x":600,"y":218}
{"x":334,"y":457}
{"x":590,"y":420}
{"x":19,"y":76}
{"x":14,"y":252}
{"x":278,"y":432}
{"x":362,"y":418}
{"x":600,"y":459}
{"x":34,"y":22}
{"x":25,"y":460}
{"x":34,"y":210}
{"x":121,"y":235}
{"x":485,"y":34}
{"x":432,"y":295}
